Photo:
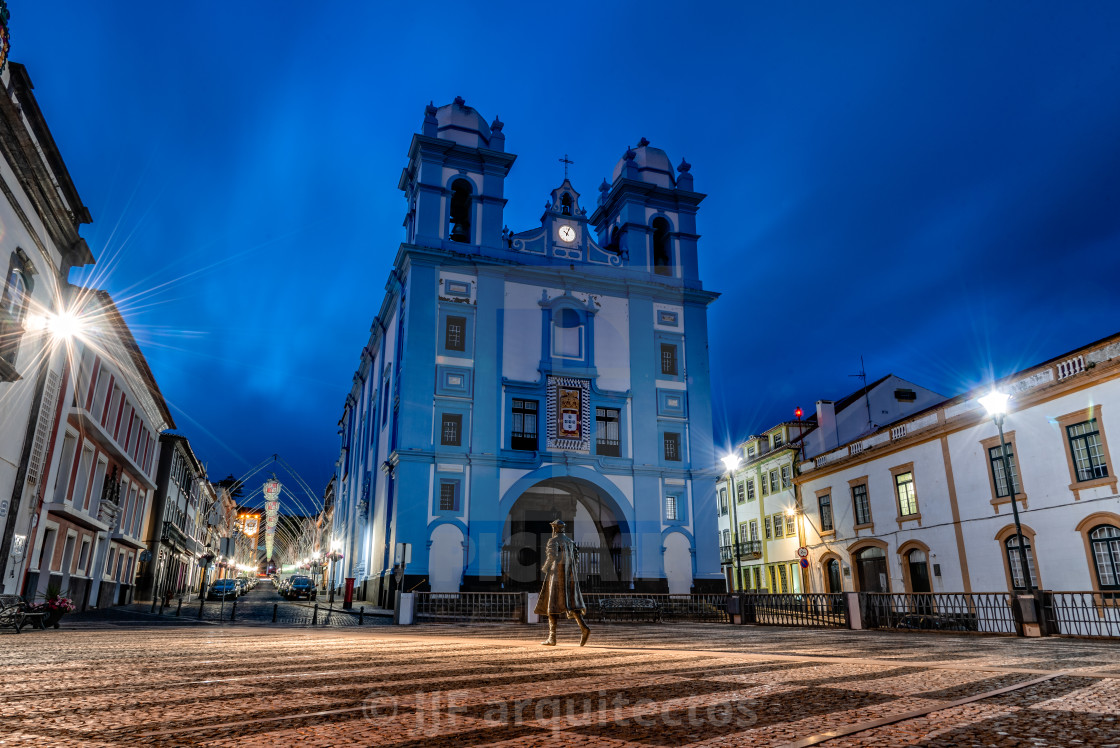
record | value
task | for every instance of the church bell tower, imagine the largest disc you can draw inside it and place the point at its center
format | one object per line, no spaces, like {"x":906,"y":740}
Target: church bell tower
{"x":455,"y":180}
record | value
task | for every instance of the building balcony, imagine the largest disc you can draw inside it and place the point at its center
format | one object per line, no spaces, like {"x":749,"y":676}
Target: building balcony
{"x":746,"y":549}
{"x":750,"y":549}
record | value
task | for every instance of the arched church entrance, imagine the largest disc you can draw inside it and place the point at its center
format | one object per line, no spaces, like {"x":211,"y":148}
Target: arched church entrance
{"x":603,"y":540}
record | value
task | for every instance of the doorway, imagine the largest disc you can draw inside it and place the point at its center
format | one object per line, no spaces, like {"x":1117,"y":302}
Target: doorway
{"x":871,"y":565}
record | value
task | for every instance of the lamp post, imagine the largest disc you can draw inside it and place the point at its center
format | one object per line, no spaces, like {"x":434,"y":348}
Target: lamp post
{"x":995,"y":403}
{"x":334,"y":555}
{"x":731,"y":461}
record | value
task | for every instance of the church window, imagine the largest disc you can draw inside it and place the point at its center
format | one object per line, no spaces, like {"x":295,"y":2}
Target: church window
{"x":606,"y":432}
{"x":451,"y":430}
{"x":662,"y":254}
{"x":448,"y":496}
{"x":672,"y":446}
{"x":566,"y":204}
{"x":671,"y":507}
{"x":567,"y":334}
{"x":461,"y":205}
{"x":453,"y":333}
{"x":524,"y":435}
{"x":669,"y":359}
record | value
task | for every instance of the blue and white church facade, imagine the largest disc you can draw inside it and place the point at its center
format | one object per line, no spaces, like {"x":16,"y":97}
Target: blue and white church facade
{"x":514,"y":377}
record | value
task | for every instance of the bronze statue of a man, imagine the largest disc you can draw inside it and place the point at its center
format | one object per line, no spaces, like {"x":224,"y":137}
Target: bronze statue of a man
{"x":560,"y":592}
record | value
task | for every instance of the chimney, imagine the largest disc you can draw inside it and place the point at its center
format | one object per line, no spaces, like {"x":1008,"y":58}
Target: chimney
{"x":826,"y":425}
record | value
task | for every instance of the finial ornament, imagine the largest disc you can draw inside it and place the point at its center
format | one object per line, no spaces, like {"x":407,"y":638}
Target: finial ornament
{"x":497,"y":125}
{"x":684,"y":167}
{"x":604,"y":186}
{"x":430,"y":110}
{"x":643,"y":143}
{"x":460,"y":102}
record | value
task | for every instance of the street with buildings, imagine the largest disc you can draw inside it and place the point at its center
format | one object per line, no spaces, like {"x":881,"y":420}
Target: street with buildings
{"x":118,"y":682}
{"x":890,"y":565}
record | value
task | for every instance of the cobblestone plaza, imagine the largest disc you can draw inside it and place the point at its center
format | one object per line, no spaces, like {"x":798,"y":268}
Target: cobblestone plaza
{"x":135,"y":679}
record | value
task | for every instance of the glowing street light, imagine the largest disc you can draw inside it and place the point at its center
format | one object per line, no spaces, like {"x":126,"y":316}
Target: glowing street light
{"x":995,"y":402}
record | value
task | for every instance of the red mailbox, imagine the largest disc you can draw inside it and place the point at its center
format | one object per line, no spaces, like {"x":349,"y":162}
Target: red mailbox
{"x":348,"y":598}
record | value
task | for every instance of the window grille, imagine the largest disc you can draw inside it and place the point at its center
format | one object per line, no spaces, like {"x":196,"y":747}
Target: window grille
{"x":450,"y":432}
{"x":669,"y":359}
{"x":607,"y":441}
{"x":454,"y":338}
{"x":524,"y":434}
{"x":824,"y":502}
{"x":907,"y":500}
{"x":1088,"y":452}
{"x":998,"y":475}
{"x":861,"y":504}
{"x":672,"y":447}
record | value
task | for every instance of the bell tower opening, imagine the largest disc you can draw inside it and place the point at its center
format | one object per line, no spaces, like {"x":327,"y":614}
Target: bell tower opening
{"x":461,"y":204}
{"x":662,"y":253}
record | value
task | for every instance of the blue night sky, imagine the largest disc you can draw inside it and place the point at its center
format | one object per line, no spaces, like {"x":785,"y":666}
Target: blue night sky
{"x":935,"y":187}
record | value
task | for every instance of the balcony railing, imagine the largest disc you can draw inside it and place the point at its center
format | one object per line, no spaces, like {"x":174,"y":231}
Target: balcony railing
{"x":750,"y":549}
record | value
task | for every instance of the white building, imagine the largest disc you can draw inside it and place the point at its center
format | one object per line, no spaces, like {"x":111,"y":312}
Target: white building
{"x":759,"y":532}
{"x":40,"y":213}
{"x":924,"y":505}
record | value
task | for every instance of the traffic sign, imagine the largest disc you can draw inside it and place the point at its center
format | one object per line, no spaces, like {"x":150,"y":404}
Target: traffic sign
{"x":804,"y":563}
{"x":803,"y":552}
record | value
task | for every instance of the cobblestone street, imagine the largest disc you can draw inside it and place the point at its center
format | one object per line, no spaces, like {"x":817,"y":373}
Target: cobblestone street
{"x":128,"y":678}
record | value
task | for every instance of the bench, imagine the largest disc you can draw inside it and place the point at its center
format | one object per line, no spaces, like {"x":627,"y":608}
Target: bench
{"x":629,"y":608}
{"x":15,"y":612}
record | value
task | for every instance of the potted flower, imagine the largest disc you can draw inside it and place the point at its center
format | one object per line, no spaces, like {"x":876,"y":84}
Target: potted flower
{"x":54,"y":605}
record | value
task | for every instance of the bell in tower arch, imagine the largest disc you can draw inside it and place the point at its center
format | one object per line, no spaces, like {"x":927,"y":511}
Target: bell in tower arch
{"x":461,"y":211}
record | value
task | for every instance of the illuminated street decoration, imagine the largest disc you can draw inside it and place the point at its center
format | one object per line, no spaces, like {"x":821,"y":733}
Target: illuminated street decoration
{"x":5,"y":44}
{"x":271,"y":510}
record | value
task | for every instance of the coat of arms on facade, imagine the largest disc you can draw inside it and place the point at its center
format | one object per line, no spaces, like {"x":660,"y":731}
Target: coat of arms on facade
{"x":569,"y":413}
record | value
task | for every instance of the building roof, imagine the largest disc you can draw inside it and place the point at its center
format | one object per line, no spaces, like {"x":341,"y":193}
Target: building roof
{"x":652,"y":165}
{"x":113,"y":316}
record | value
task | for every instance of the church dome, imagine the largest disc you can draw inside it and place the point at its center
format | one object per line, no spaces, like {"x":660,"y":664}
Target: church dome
{"x":462,"y":124}
{"x":645,"y":163}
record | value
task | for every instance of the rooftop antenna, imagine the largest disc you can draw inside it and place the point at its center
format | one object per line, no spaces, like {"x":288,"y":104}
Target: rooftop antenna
{"x":862,"y":376}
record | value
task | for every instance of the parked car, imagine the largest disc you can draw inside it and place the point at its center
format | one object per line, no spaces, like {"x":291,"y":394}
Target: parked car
{"x":301,"y":588}
{"x":222,"y":589}
{"x":243,"y":585}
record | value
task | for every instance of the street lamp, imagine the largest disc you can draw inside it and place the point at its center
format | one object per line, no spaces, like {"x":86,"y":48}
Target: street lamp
{"x":731,"y":462}
{"x":334,"y":555}
{"x":995,"y":403}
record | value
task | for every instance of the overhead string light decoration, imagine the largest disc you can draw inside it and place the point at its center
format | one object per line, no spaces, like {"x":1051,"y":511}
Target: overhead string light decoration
{"x":271,"y":510}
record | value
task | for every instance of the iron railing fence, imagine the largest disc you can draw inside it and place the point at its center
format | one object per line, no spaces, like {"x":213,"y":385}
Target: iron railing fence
{"x":468,"y":607}
{"x":980,"y":612}
{"x":598,"y":568}
{"x":1082,"y":613}
{"x":813,"y":610}
{"x":633,"y":607}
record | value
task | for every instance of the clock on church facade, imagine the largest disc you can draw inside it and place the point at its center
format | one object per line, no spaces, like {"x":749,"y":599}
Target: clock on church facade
{"x":513,"y":377}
